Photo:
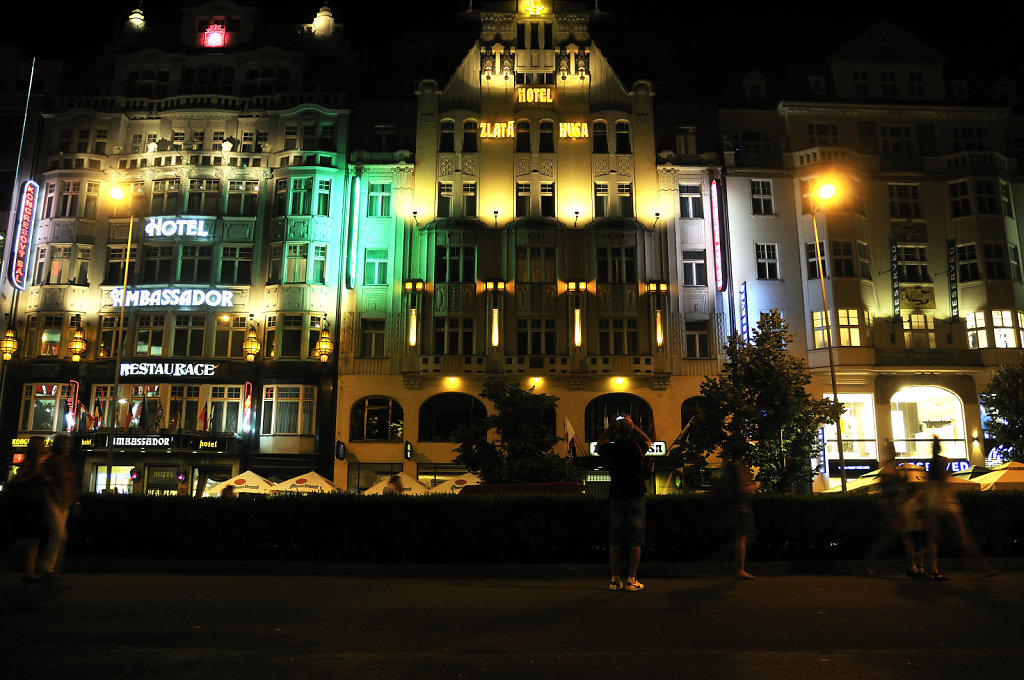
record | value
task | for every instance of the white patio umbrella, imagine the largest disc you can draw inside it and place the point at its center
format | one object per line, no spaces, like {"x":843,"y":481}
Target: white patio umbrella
{"x":246,"y":482}
{"x":311,"y":482}
{"x":409,"y":485}
{"x":1009,"y":476}
{"x":456,"y":484}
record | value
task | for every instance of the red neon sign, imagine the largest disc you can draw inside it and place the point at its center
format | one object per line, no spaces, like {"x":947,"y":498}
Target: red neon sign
{"x":247,"y":408}
{"x":21,"y":251}
{"x":215,"y":36}
{"x":716,"y":231}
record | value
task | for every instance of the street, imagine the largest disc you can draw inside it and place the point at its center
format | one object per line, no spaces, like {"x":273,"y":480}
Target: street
{"x":222,"y":625}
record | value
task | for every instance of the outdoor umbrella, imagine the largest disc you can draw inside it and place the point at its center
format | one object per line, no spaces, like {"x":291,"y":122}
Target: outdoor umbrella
{"x":311,"y":482}
{"x":1009,"y":476}
{"x":247,"y":482}
{"x":456,"y":484}
{"x":410,"y":486}
{"x":973,"y":472}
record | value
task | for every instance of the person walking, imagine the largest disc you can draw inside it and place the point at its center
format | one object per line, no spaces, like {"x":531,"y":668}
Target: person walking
{"x":27,"y":490}
{"x":736,"y":486}
{"x":892,"y":485}
{"x":623,"y":447}
{"x":60,"y":495}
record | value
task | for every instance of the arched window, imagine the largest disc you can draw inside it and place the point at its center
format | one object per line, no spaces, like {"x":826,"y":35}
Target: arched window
{"x":469,"y":136}
{"x":689,"y":409}
{"x":441,"y":414}
{"x":622,"y":137}
{"x":602,"y":410}
{"x":377,"y":419}
{"x":447,"y":141}
{"x":600,"y":137}
{"x":523,"y":136}
{"x":923,"y":411}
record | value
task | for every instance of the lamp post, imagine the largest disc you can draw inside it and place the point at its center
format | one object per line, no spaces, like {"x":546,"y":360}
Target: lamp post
{"x":827,"y":192}
{"x":118,"y":194}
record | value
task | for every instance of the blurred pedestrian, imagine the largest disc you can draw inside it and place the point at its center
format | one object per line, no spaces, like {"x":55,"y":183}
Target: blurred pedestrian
{"x":27,"y":491}
{"x":892,"y":486}
{"x":916,"y":530}
{"x":623,"y":448}
{"x":228,"y":492}
{"x":394,"y":485}
{"x":734,"y":489}
{"x":942,"y":510}
{"x":60,"y":496}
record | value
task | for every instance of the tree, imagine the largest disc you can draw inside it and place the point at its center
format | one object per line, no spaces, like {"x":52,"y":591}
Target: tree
{"x":1003,"y":398}
{"x":759,"y":405}
{"x":522,"y":449}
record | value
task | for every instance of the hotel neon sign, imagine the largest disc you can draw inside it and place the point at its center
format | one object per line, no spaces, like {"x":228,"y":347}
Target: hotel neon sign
{"x":21,"y":249}
{"x":573,"y":130}
{"x":533,"y":7}
{"x":507,"y":130}
{"x":169,"y":226}
{"x":535,"y":95}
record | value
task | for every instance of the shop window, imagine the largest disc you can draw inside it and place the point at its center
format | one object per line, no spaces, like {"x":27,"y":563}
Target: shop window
{"x":441,"y":415}
{"x":858,"y":428}
{"x":377,"y":419}
{"x":921,"y":413}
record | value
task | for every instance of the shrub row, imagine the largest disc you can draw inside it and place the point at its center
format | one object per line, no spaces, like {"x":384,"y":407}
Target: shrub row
{"x":537,"y":529}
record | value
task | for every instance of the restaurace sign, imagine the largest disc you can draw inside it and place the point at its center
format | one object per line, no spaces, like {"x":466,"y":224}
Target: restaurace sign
{"x":173,"y":369}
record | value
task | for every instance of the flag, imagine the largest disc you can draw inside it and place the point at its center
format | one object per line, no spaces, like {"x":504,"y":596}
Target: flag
{"x":573,"y":445}
{"x":144,"y":413}
{"x":83,"y":411}
{"x":159,"y":414}
{"x":203,"y":421}
{"x":133,"y":414}
{"x":98,"y":416}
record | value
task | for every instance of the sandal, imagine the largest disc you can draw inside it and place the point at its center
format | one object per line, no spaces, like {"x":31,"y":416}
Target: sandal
{"x":937,"y":576}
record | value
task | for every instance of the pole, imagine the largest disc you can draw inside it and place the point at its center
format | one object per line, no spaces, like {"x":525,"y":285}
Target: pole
{"x":119,"y":344}
{"x":828,"y":340}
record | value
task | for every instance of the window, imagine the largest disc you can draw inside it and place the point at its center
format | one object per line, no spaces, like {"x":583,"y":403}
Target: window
{"x":752,"y":147}
{"x":318,"y":276}
{"x":820,"y":329}
{"x":535,"y":336}
{"x":989,"y":201}
{"x":813,"y":262}
{"x":229,"y":336}
{"x":849,"y":328}
{"x":767,"y":256}
{"x":301,"y":196}
{"x":49,"y":201}
{"x":959,"y":199}
{"x":691,"y":206}
{"x":189,"y":334}
{"x":977,"y":338}
{"x":183,"y":408}
{"x":441,"y":415}
{"x":919,"y":331}
{"x":43,"y":407}
{"x":377,"y":419}
{"x":1007,"y":201}
{"x":1015,"y":272}
{"x":291,"y":336}
{"x":912,"y":262}
{"x":281,"y":197}
{"x":455,"y":264}
{"x":69,"y":196}
{"x":453,"y":335}
{"x":969,"y":265}
{"x":375,"y":267}
{"x":1002,"y":328}
{"x":843,"y":263}
{"x":149,"y":335}
{"x":372,"y":338}
{"x":469,"y":136}
{"x":236,"y":265}
{"x":115,"y":265}
{"x":296,"y":263}
{"x":697,"y":340}
{"x":995,"y":263}
{"x":225,"y":406}
{"x":108,"y":332}
{"x":622,"y":137}
{"x":967,"y":139}
{"x":896,"y":140}
{"x":600,"y":199}
{"x":469,"y":199}
{"x":616,"y":265}
{"x":270,"y":338}
{"x":625,"y":199}
{"x":889,"y":87}
{"x":166,"y":193}
{"x":694,"y":267}
{"x":822,"y":134}
{"x":761,"y":197}
{"x":600,"y":132}
{"x":547,"y":199}
{"x":446,"y":143}
{"x":383,"y":137}
{"x":547,"y":137}
{"x":378,"y":203}
{"x":157,"y":265}
{"x":323,"y":197}
{"x":1020,"y":327}
{"x":535,"y":264}
{"x":522,"y":199}
{"x":289,"y":409}
{"x":617,"y":336}
{"x":444,"y":199}
{"x":864,"y":260}
{"x":904,"y":201}
{"x":196,"y":263}
{"x":92,"y":194}
{"x":203,"y":195}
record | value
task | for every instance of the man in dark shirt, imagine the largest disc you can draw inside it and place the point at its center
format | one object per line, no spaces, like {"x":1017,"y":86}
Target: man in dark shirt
{"x":623,"y":447}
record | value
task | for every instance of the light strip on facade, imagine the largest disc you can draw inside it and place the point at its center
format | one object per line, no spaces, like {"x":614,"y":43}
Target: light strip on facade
{"x":577,"y":333}
{"x":658,"y":332}
{"x":354,"y":216}
{"x":412,"y":327}
{"x":494,"y":327}
{"x":716,"y":233}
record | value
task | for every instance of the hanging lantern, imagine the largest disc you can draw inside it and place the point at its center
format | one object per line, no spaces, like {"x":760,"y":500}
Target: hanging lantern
{"x":8,"y":345}
{"x":251,"y":345}
{"x":324,"y":346}
{"x":76,"y":346}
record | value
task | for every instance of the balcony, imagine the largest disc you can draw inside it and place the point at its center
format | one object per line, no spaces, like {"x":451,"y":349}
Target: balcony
{"x":970,"y":161}
{"x":529,"y":363}
{"x":452,"y":363}
{"x":828,"y":155}
{"x":620,"y":364}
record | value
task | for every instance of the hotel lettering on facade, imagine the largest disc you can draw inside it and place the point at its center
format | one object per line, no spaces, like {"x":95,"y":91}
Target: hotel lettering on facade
{"x":307,"y":289}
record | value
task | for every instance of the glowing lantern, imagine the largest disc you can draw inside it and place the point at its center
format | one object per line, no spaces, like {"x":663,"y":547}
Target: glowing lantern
{"x":76,"y":345}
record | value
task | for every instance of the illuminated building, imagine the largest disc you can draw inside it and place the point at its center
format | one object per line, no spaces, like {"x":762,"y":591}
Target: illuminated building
{"x":227,"y":136}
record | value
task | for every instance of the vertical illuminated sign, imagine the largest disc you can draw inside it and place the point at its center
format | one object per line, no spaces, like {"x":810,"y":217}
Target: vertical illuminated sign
{"x":894,"y":276}
{"x":21,"y":249}
{"x":716,"y":232}
{"x":247,"y":408}
{"x":71,"y":417}
{"x":951,"y":276}
{"x":744,"y":315}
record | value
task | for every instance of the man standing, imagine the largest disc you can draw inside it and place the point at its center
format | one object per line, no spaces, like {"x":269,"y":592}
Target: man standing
{"x":623,"y":447}
{"x":60,"y":495}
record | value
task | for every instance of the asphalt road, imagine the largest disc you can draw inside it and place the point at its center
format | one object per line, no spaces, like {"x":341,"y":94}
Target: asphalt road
{"x":284,"y":626}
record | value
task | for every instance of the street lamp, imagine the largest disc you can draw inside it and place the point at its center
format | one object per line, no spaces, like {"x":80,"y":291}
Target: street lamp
{"x":118,"y":194}
{"x":827,"y":192}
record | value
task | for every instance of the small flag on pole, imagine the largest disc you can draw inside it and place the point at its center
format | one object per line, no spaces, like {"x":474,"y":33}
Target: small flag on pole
{"x":573,"y":445}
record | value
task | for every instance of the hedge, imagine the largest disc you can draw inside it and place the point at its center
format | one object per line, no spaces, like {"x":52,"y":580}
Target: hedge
{"x":521,"y":529}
